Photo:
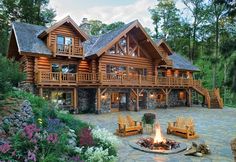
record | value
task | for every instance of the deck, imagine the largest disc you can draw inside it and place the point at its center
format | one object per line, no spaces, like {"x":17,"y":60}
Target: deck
{"x":101,"y":79}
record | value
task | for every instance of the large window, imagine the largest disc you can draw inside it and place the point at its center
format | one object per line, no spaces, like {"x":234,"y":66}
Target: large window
{"x":137,"y":71}
{"x":116,"y":69}
{"x":61,"y":97}
{"x":64,"y":68}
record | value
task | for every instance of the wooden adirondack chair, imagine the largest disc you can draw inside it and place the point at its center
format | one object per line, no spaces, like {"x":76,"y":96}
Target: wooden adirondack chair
{"x":127,"y":126}
{"x":183,"y":127}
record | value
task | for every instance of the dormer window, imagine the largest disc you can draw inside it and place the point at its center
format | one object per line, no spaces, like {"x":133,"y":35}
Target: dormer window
{"x":64,"y":44}
{"x":64,"y":40}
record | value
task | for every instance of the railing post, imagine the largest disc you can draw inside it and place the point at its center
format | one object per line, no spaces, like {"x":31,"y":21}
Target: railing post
{"x":60,"y":77}
{"x":155,"y":80}
{"x":76,"y":78}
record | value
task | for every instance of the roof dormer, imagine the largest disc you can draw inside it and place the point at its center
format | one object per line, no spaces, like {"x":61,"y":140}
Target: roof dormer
{"x":64,"y":38}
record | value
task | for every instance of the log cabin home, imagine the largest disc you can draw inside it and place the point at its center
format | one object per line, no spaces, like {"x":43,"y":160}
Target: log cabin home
{"x":121,"y":70}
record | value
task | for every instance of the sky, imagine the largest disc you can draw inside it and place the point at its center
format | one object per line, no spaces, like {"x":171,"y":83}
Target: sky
{"x":107,"y":11}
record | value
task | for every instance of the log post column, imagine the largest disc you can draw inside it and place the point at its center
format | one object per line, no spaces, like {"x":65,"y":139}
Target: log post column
{"x":98,"y":110}
{"x":41,"y":92}
{"x":75,"y":98}
{"x":137,"y":100}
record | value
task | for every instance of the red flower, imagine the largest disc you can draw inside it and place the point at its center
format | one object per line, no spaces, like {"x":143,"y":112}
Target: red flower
{"x":86,"y":138}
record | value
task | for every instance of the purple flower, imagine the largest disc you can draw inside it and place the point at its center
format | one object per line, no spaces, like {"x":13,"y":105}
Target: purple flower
{"x":5,"y":148}
{"x":75,"y":159}
{"x":31,"y":156}
{"x":30,"y":130}
{"x":13,"y":153}
{"x":52,"y":138}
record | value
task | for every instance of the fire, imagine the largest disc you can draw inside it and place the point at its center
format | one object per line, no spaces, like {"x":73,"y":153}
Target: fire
{"x":158,"y":136}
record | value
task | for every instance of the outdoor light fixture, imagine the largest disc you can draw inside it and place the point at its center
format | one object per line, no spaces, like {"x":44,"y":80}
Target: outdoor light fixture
{"x":151,"y":95}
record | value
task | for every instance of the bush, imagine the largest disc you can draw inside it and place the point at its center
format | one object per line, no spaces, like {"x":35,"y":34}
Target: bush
{"x":10,"y":74}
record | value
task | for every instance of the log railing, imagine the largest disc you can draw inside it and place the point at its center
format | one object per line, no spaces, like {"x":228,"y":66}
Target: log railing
{"x":219,"y":99}
{"x":63,"y":49}
{"x":115,"y":79}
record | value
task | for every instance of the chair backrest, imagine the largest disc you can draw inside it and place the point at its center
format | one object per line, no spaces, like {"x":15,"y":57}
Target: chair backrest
{"x":182,"y":122}
{"x":121,"y":120}
{"x":130,"y":120}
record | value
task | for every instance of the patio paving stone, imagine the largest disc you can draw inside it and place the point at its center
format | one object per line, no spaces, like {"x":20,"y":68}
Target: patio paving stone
{"x":216,"y":127}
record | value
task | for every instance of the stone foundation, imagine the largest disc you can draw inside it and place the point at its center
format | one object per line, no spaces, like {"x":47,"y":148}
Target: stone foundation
{"x":174,"y":99}
{"x":27,"y":87}
{"x":86,"y":100}
{"x":152,"y":99}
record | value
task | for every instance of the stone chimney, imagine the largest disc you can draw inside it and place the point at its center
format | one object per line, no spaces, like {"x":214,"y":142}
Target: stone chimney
{"x":85,"y":26}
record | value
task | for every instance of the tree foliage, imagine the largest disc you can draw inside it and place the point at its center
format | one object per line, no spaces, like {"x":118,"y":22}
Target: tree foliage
{"x":97,"y":27}
{"x":205,"y":32}
{"x":10,"y":74}
{"x":28,"y":11}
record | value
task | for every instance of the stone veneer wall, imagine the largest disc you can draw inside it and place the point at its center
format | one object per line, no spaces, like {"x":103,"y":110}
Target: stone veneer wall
{"x":27,"y":87}
{"x":152,"y":102}
{"x":174,"y":100}
{"x":86,"y":100}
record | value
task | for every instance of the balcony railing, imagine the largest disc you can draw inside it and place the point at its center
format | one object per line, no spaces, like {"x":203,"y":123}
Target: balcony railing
{"x":67,"y":50}
{"x":58,"y":78}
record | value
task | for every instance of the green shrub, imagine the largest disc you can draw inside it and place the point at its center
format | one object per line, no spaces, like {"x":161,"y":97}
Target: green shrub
{"x":10,"y":74}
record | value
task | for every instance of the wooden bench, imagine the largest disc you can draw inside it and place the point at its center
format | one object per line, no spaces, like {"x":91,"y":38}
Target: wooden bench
{"x":183,"y":127}
{"x":127,"y":126}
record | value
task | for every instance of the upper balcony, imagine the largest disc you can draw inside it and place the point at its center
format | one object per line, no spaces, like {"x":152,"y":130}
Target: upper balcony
{"x":67,"y":50}
{"x":89,"y":79}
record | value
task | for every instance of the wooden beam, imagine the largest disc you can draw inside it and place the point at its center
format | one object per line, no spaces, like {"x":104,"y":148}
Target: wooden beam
{"x":189,"y":97}
{"x":41,"y":92}
{"x":137,"y":99}
{"x":98,"y":100}
{"x":75,"y":98}
{"x":134,"y":91}
{"x":103,"y":91}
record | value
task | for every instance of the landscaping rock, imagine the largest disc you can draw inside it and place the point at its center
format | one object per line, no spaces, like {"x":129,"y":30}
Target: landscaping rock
{"x":18,"y":120}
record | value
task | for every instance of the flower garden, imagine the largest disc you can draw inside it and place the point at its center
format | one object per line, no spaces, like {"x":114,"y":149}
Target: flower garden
{"x":51,"y":135}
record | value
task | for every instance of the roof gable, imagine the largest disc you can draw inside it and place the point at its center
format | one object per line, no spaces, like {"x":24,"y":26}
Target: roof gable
{"x":27,"y":40}
{"x":167,"y":47}
{"x":99,"y":45}
{"x":68,"y":20}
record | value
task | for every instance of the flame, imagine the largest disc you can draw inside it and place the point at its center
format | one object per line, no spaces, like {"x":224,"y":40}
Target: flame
{"x":158,"y":136}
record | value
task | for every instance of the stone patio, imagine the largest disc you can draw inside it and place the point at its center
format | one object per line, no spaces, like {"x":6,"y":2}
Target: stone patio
{"x":216,"y":128}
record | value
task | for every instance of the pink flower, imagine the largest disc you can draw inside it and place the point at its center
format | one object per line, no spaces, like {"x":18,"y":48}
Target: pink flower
{"x":30,"y":130}
{"x":31,"y":156}
{"x":5,"y":148}
{"x":52,"y":138}
{"x":13,"y":153}
{"x":33,"y":140}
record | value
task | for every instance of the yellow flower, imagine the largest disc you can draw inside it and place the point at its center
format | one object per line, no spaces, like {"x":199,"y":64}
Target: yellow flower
{"x":40,"y":120}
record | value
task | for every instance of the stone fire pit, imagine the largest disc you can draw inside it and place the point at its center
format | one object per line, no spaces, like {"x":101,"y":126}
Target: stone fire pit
{"x":158,"y":144}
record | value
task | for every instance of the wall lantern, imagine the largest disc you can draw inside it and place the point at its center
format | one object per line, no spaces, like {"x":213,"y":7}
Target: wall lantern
{"x":151,"y":95}
{"x":103,"y":96}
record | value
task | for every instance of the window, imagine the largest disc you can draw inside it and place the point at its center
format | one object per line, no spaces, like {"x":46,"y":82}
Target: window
{"x":61,"y":97}
{"x":60,"y":40}
{"x":55,"y":68}
{"x":181,"y":95}
{"x":64,"y":68}
{"x":161,"y":73}
{"x":68,"y":41}
{"x":116,"y":69}
{"x":138,"y":71}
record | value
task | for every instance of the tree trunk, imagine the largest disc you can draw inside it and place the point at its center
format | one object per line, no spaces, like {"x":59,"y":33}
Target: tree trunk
{"x":214,"y":76}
